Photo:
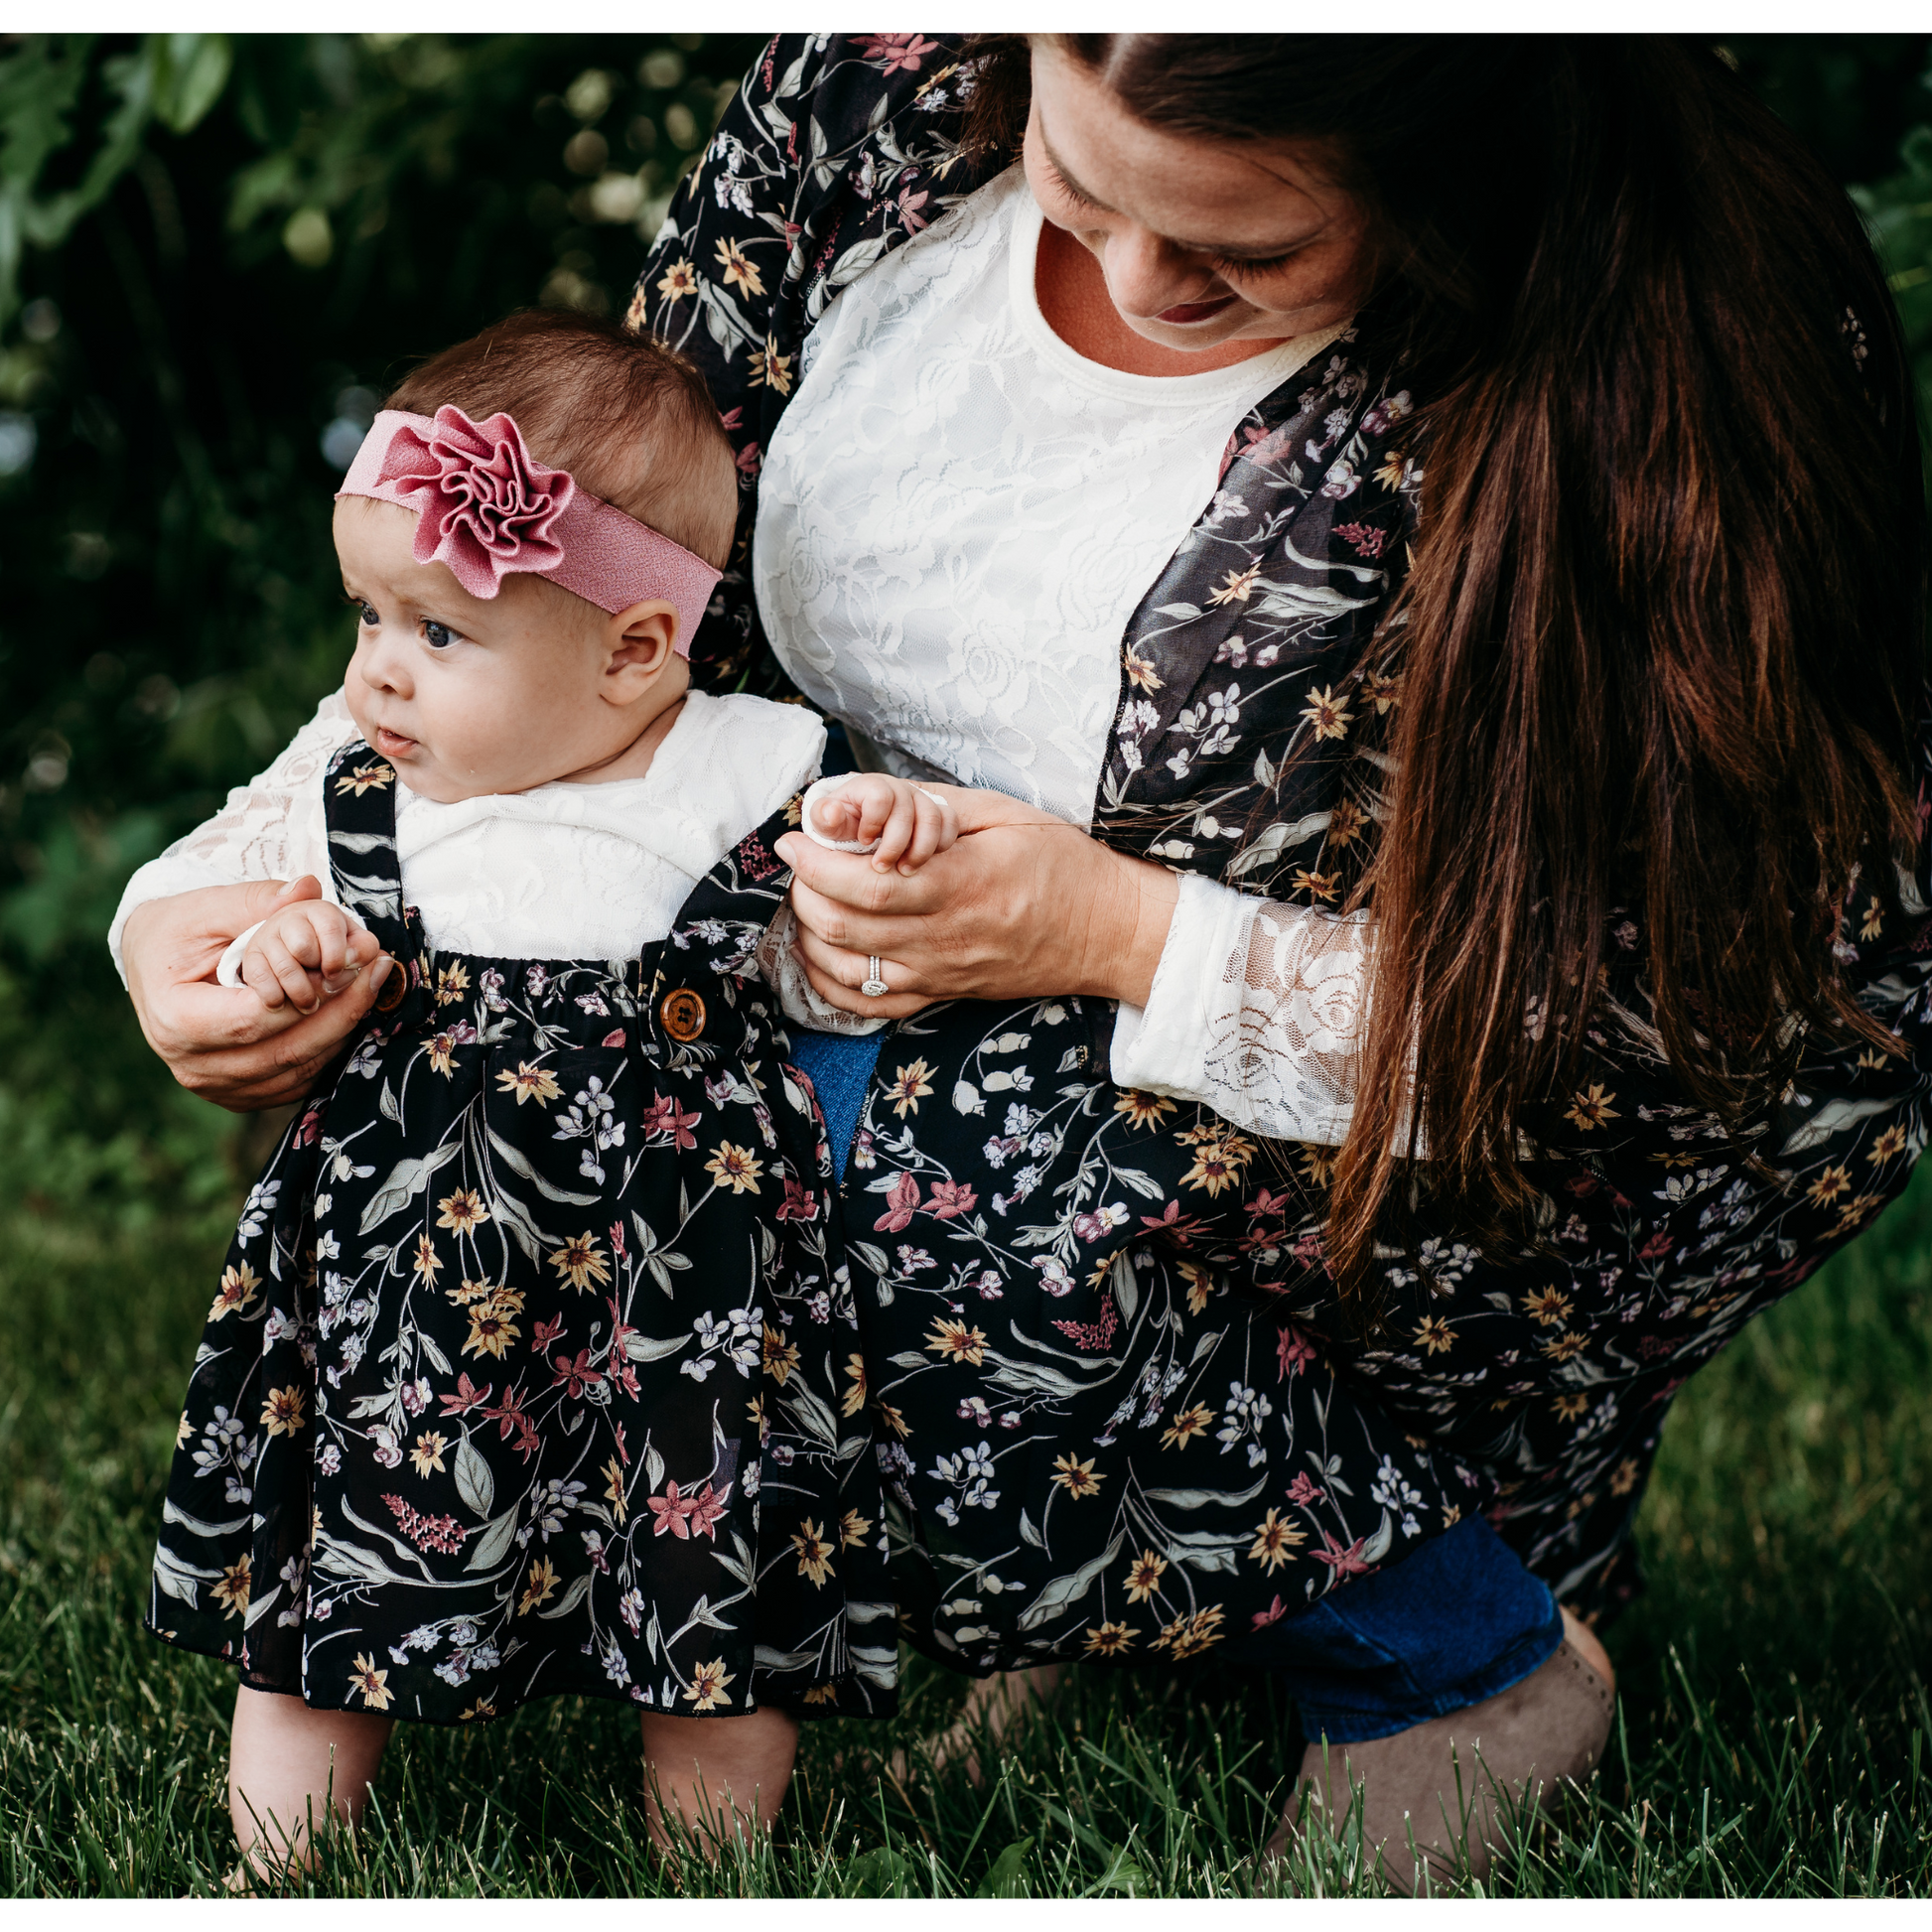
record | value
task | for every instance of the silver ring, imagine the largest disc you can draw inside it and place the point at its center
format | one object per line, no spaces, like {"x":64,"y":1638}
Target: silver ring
{"x":874,"y":988}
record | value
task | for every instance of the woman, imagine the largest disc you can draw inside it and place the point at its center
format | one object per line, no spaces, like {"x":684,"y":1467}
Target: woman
{"x":1099,"y":482}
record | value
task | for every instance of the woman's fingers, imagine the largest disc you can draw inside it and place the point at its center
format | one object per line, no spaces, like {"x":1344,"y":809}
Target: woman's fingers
{"x":848,"y":877}
{"x":837,"y":976}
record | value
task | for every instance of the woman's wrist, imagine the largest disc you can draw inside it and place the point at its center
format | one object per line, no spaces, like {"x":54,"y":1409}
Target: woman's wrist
{"x":1126,"y":938}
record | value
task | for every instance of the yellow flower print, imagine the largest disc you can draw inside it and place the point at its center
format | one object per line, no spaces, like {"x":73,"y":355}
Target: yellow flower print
{"x":1384,"y":693}
{"x":957,"y":1342}
{"x":461,"y":1211}
{"x":738,"y":271}
{"x":1829,"y":1186}
{"x":581,"y":1262}
{"x":1274,"y":1542}
{"x":779,"y":1355}
{"x":233,"y":1588}
{"x":1547,"y":1306}
{"x":529,"y":1083}
{"x":370,"y":1682}
{"x":768,"y":367}
{"x":1109,"y":1640}
{"x":1220,"y":1160}
{"x":490,"y":1330}
{"x":909,"y":1089}
{"x":1329,"y":714}
{"x":452,"y":983}
{"x":427,"y":1261}
{"x":1238,"y":588}
{"x":539,"y":1585}
{"x":1143,"y":1109}
{"x":735,"y":1168}
{"x":1188,"y":1424}
{"x":1076,"y":1477}
{"x":814,"y":1554}
{"x":1891,"y":1141}
{"x":707,"y":1688}
{"x":1141,"y":673}
{"x":240,"y":1287}
{"x":365,"y":778}
{"x":854,"y":1397}
{"x":427,"y":1452}
{"x":1434,"y":1334}
{"x":282,"y":1411}
{"x":1591,"y":1109}
{"x":1143,"y":1576}
{"x":678,"y":281}
{"x":1187,"y":1634}
{"x":852,"y":1529}
{"x":612,"y":1474}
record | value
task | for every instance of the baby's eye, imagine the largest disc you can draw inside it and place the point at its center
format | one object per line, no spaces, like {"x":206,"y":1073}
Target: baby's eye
{"x":365,"y":613}
{"x":438,"y":636}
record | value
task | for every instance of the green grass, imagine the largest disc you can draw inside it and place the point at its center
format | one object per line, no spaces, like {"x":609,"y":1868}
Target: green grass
{"x":1775,"y":1733}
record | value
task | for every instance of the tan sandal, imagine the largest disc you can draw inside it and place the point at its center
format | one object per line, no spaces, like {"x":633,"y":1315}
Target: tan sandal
{"x":1440,"y":1785}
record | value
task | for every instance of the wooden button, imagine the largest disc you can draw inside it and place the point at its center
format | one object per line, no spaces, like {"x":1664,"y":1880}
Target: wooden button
{"x":682,"y":1014}
{"x":390,"y":996}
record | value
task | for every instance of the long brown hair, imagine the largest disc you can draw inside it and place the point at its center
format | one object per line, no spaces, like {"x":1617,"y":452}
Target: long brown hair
{"x":1663,"y":635}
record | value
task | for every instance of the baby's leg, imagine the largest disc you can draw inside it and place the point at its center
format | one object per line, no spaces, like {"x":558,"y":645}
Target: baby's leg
{"x":289,"y":1766}
{"x":715,"y":1777}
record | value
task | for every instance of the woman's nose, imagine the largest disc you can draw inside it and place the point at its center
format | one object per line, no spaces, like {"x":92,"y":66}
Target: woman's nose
{"x":1147,"y":274}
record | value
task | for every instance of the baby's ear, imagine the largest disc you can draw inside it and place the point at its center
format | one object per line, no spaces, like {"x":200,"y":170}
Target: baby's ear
{"x":640,"y":643}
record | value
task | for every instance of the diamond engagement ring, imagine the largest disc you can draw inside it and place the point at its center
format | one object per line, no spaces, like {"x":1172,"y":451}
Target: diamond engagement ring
{"x":874,"y":988}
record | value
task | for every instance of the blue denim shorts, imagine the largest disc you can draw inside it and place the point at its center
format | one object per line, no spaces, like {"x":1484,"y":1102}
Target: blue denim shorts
{"x":1456,"y":1623}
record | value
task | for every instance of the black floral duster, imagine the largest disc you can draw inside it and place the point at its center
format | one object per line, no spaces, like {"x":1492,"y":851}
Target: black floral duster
{"x":1097,"y":1442}
{"x":530,"y":1368}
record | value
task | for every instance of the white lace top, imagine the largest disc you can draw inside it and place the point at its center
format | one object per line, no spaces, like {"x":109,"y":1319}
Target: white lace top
{"x":561,"y":872}
{"x":957,"y":516}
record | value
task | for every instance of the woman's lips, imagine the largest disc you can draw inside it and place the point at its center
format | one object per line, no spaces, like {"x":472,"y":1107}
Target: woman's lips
{"x":1189,"y":311}
{"x":394,"y":743}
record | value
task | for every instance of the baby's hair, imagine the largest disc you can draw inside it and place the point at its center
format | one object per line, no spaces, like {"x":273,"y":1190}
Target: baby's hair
{"x":627,"y":415}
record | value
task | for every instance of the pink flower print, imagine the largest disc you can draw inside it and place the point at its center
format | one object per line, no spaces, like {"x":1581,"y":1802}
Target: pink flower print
{"x":673,"y":1512}
{"x":1271,"y":1614}
{"x":484,"y":506}
{"x":910,"y":205}
{"x":664,"y":1117}
{"x":896,"y":53}
{"x":705,"y":1508}
{"x":799,"y":1203}
{"x":1302,"y":1491}
{"x":468,"y":1396}
{"x":902,"y":1201}
{"x":749,"y":459}
{"x":949,"y":1199}
{"x":1294,"y":1351}
{"x":615,"y":1038}
{"x":574,"y":1377}
{"x":1344,"y":1563}
{"x":1368,"y":542}
{"x":1182,"y":1228}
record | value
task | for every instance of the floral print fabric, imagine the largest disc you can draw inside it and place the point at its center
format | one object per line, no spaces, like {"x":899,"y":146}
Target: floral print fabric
{"x":532,"y":1366}
{"x":1121,"y":1411}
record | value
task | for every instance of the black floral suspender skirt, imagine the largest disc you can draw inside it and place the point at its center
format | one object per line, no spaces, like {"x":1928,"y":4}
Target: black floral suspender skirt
{"x":534,"y":1366}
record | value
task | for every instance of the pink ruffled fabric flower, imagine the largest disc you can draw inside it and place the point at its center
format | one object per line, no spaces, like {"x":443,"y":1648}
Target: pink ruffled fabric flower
{"x":486,"y":507}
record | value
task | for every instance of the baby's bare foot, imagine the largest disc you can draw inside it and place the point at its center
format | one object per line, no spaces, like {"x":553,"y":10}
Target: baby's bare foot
{"x":991,"y":1705}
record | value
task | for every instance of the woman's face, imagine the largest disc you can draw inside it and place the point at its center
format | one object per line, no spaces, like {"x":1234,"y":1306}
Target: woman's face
{"x":1201,"y":242}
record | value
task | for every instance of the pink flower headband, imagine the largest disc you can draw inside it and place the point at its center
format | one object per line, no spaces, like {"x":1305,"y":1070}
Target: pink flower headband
{"x":486,"y":507}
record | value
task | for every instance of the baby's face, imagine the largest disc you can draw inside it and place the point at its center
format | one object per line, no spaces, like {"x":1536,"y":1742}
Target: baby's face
{"x":467,"y":697}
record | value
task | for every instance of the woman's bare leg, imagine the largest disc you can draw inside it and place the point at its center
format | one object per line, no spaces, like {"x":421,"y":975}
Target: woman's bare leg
{"x":716,"y":1776}
{"x":289,"y":1768}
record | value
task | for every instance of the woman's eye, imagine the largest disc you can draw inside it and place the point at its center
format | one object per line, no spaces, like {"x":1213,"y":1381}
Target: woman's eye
{"x":438,"y":636}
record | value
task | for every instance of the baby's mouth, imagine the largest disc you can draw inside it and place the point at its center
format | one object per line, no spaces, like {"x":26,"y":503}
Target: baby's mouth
{"x":394,"y":743}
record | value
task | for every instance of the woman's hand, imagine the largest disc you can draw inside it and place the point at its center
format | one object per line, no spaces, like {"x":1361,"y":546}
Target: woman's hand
{"x":220,"y":1041}
{"x":1024,"y":906}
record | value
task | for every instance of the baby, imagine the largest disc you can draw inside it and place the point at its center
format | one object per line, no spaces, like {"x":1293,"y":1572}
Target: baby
{"x":533,"y":1368}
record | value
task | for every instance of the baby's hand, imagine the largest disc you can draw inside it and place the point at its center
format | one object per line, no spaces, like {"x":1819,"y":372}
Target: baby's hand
{"x":902,"y":824}
{"x":305,"y":954}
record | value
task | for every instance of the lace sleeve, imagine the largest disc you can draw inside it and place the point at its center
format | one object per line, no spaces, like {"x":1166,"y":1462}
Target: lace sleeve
{"x":1256,"y":1010}
{"x":270,"y":828}
{"x":784,"y":973}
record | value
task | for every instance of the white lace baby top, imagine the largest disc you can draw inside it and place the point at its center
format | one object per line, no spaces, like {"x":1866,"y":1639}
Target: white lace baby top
{"x":957,"y":516}
{"x":561,"y":872}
